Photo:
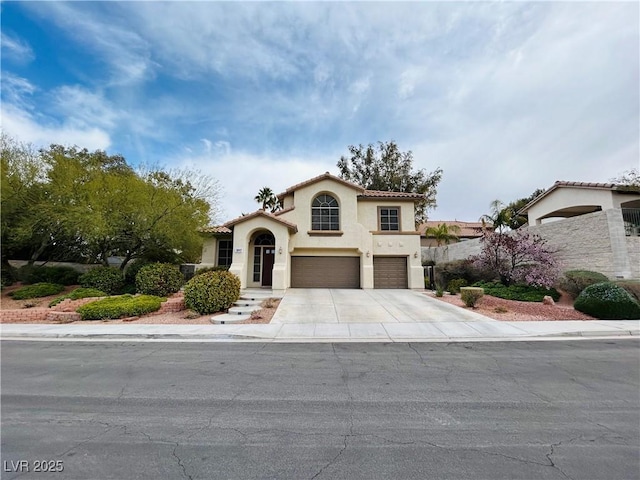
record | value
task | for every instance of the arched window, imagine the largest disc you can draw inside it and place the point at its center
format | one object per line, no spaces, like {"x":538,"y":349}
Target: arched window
{"x":325,"y":213}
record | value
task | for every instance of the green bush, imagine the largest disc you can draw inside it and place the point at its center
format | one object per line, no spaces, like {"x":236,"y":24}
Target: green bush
{"x":523,"y":293}
{"x":454,"y":285}
{"x":8,"y":276}
{"x":445,"y":272}
{"x":631,"y":286}
{"x":119,"y":307}
{"x":471,"y":295}
{"x":218,"y":268}
{"x":132,"y":270}
{"x":608,"y":301}
{"x":77,"y":294}
{"x":37,"y":290}
{"x":439,"y":291}
{"x":107,"y":279}
{"x":212,"y":292}
{"x":575,"y":281}
{"x":159,"y":279}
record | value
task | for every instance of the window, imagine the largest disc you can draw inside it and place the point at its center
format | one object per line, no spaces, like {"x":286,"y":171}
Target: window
{"x":225,"y":250}
{"x":389,"y":219}
{"x":325,"y":213}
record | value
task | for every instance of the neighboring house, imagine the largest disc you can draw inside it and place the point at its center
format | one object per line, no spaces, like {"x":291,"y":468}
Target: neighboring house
{"x":330,"y":233}
{"x":591,"y":226}
{"x":467,"y":231}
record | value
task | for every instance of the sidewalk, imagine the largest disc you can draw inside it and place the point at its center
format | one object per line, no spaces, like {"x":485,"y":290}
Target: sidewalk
{"x":456,"y":331}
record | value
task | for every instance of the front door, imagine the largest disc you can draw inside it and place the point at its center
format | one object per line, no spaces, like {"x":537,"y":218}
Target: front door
{"x":268,"y":258}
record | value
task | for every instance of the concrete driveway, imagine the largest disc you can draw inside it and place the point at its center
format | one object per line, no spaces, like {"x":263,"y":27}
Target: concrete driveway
{"x":320,"y":305}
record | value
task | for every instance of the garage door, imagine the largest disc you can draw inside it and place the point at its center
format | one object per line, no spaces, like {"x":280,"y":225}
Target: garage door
{"x":390,"y":272}
{"x":325,"y":272}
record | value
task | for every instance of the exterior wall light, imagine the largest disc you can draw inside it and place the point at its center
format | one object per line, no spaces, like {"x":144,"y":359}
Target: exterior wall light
{"x":415,"y":255}
{"x":368,"y":253}
{"x":280,"y":250}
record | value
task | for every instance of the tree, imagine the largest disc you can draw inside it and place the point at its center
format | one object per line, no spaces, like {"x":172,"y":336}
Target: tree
{"x":506,"y":217}
{"x":268,"y":199}
{"x":629,"y":178}
{"x":443,"y":233}
{"x":385,"y":167}
{"x":518,"y":257}
{"x":94,"y":206}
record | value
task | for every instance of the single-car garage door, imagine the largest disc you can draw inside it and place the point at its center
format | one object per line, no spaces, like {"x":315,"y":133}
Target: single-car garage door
{"x":390,"y":272}
{"x":325,"y":272}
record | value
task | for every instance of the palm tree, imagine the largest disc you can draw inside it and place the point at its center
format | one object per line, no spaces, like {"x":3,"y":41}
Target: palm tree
{"x":443,"y":233}
{"x":265,"y":197}
{"x":499,"y":218}
{"x":268,"y":200}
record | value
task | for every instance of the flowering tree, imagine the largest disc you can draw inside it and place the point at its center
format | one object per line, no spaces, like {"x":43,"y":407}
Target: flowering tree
{"x":518,"y":257}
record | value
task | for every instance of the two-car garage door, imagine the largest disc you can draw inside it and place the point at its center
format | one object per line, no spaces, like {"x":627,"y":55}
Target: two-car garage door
{"x":344,"y":272}
{"x":325,"y":272}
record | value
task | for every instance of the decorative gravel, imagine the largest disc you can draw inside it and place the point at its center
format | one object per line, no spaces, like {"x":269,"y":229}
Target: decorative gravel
{"x":516,"y":311}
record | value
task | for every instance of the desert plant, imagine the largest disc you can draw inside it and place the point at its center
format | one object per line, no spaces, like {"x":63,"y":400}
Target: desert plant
{"x":523,"y":293}
{"x":159,"y":279}
{"x":60,"y":275}
{"x":454,"y":285}
{"x":211,"y":292}
{"x":37,"y":290}
{"x":445,"y":272}
{"x":77,"y":294}
{"x":631,"y":286}
{"x":120,"y":306}
{"x":471,"y":295}
{"x":608,"y":301}
{"x":439,"y":291}
{"x":575,"y":281}
{"x":107,"y":279}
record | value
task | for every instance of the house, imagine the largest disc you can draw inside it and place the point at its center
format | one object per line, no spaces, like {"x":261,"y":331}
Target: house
{"x":330,"y":233}
{"x":465,"y":231}
{"x":590,"y":226}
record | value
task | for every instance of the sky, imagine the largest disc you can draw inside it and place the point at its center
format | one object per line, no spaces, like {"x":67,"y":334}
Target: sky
{"x":505,"y":97}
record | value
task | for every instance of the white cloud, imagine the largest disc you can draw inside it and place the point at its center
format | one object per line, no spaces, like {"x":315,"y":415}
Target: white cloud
{"x":16,"y":49}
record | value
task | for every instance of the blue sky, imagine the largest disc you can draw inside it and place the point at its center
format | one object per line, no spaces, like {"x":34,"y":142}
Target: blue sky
{"x":504,"y":97}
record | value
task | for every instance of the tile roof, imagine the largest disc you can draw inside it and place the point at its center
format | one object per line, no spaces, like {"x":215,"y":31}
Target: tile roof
{"x":467,"y":229}
{"x":387,"y":194}
{"x":319,"y":178}
{"x":215,"y":229}
{"x":587,"y":185}
{"x":261,"y":213}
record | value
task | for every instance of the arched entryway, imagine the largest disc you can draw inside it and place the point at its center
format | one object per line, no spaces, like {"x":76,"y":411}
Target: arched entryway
{"x":264,"y":253}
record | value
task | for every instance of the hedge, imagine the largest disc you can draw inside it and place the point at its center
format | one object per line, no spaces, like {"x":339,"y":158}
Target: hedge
{"x":77,"y":294}
{"x":212,"y":292}
{"x":607,"y":301}
{"x":37,"y":290}
{"x":120,"y":306}
{"x":159,"y":279}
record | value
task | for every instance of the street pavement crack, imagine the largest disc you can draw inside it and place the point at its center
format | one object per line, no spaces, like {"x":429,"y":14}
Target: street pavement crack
{"x":552,"y":463}
{"x":180,"y":462}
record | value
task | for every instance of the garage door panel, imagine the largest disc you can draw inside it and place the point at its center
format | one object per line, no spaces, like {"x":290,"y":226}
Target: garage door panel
{"x":390,"y":272}
{"x":325,"y":272}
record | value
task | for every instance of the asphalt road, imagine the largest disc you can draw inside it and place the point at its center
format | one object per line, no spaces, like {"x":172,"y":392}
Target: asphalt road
{"x":539,"y":410}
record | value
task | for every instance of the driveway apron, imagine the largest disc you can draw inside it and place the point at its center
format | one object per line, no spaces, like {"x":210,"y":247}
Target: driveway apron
{"x":318,"y":305}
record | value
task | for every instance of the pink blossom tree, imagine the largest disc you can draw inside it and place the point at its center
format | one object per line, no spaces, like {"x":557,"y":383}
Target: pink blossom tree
{"x":518,"y":257}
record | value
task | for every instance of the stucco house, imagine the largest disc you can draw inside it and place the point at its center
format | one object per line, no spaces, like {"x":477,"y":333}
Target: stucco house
{"x":466,"y":231}
{"x":591,"y":226}
{"x":330,"y":233}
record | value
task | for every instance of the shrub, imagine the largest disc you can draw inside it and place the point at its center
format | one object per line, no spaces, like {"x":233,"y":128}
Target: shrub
{"x":575,"y":281}
{"x":8,"y":276}
{"x":120,"y":306}
{"x":439,"y":291}
{"x":445,"y":272}
{"x":218,"y":268}
{"x":212,"y":292}
{"x":159,"y":279}
{"x":609,"y":301}
{"x":454,"y":285}
{"x":631,"y":286}
{"x":523,"y":293}
{"x":77,"y":294}
{"x":37,"y":290}
{"x":107,"y":279}
{"x":60,"y":275}
{"x":471,"y":295}
{"x":132,"y":270}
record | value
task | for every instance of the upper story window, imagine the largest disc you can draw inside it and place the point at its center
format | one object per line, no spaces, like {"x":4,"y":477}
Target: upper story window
{"x":325,"y":213}
{"x":389,"y":218}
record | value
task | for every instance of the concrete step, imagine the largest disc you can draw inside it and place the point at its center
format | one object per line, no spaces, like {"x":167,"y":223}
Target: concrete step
{"x":248,"y":303}
{"x":258,"y":295}
{"x":226,"y":318}
{"x":243,"y":310}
